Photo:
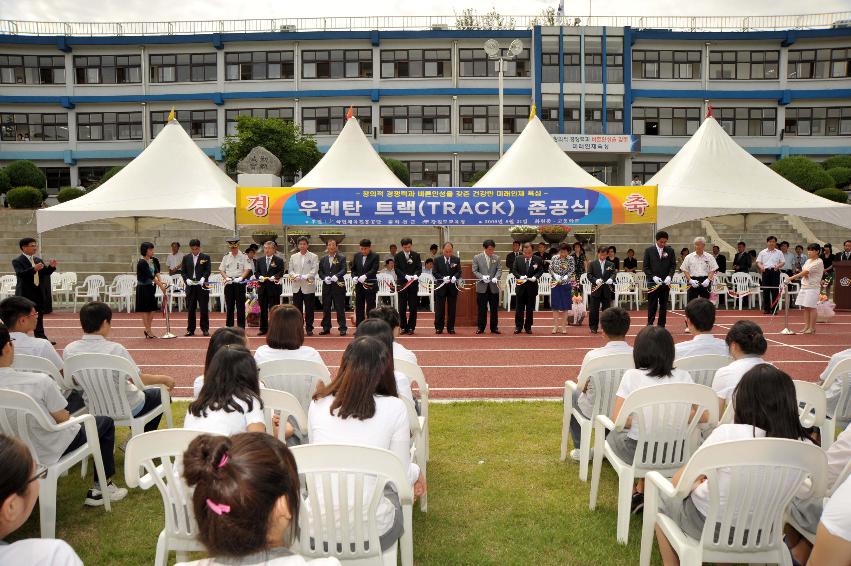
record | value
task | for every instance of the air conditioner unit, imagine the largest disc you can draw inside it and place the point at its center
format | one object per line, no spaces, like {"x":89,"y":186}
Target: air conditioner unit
{"x":841,"y":24}
{"x":288,"y":28}
{"x":437,"y":27}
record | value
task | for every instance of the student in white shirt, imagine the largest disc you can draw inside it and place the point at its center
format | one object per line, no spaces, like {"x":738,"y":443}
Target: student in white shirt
{"x":769,"y":262}
{"x":19,"y":489}
{"x":221,"y":337}
{"x":96,"y":320}
{"x":377,"y":328}
{"x":700,"y":318}
{"x":834,"y":390}
{"x":246,"y":500}
{"x":391,"y":317}
{"x":747,"y":345}
{"x":174,"y":259}
{"x":833,"y":538}
{"x":765,"y":406}
{"x":615,"y":323}
{"x":361,"y":406}
{"x":285,"y":338}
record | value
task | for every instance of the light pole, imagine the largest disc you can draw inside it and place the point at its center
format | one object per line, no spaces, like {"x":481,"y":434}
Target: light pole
{"x":494,"y":52}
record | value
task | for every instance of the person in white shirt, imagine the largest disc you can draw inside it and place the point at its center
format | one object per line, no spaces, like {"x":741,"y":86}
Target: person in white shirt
{"x":285,"y":339}
{"x":379,"y":329}
{"x":699,"y":269}
{"x":833,"y":538}
{"x":174,"y":259}
{"x":223,"y":336}
{"x":19,"y":488}
{"x":765,"y":406}
{"x":615,"y":323}
{"x":391,"y":317}
{"x":303,"y":268}
{"x":246,"y":500}
{"x":361,"y":406}
{"x":770,"y":262}
{"x":810,"y":275}
{"x":96,"y":321}
{"x":834,"y":390}
{"x":747,"y":345}
{"x":700,"y":318}
{"x":234,"y":270}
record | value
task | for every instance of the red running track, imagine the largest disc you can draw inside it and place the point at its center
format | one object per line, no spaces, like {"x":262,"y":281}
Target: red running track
{"x":469,"y":366}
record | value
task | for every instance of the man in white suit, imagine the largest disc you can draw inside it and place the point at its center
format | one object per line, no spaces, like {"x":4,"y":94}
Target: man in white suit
{"x":303,"y":267}
{"x":487,"y":270}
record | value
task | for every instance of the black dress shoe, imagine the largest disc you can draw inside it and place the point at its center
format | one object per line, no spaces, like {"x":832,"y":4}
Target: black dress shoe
{"x":309,"y":333}
{"x":189,"y":334}
{"x":479,"y":331}
{"x":206,"y":333}
{"x":261,"y":333}
{"x":517,"y":331}
{"x":451,"y":332}
{"x":593,"y":331}
{"x":343,"y":332}
{"x":495,"y":332}
{"x":324,"y":332}
{"x":528,"y":331}
{"x":438,"y":331}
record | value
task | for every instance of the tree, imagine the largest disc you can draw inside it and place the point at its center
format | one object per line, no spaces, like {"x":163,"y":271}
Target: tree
{"x":836,"y":161}
{"x":25,"y":174}
{"x":5,"y":184}
{"x":25,"y":197}
{"x":547,"y":17}
{"x":111,"y":172}
{"x":69,"y":193}
{"x":836,"y":195}
{"x":841,"y":176}
{"x":804,"y":172}
{"x":399,"y":169}
{"x":489,"y":20}
{"x":297,"y":152}
{"x":477,"y":176}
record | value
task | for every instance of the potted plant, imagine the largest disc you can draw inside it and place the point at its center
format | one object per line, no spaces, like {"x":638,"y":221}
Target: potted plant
{"x":553,"y":233}
{"x":331,"y":234}
{"x":260,"y":237}
{"x":523,"y":233}
{"x":294,"y":235}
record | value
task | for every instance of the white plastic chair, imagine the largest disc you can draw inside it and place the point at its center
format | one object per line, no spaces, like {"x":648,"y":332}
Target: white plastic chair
{"x":786,"y":287}
{"x":510,"y":290}
{"x":812,"y":409}
{"x":741,"y":283}
{"x":61,"y":286}
{"x":679,"y":290}
{"x":286,"y":290}
{"x":121,"y":291}
{"x":90,"y":290}
{"x":217,"y":290}
{"x":297,"y":377}
{"x":103,"y":378}
{"x":387,"y":288}
{"x":350,"y":534}
{"x":662,"y":414}
{"x":19,"y":413}
{"x":417,"y":379}
{"x":285,"y":405}
{"x":721,"y":288}
{"x":640,"y":285}
{"x":839,"y":381}
{"x":37,"y":364}
{"x":544,"y":289}
{"x":426,"y":289}
{"x":586,"y":288}
{"x":702,"y":368}
{"x":177,"y":291}
{"x":350,"y":288}
{"x":625,"y":286}
{"x":605,"y":374}
{"x":167,"y":447}
{"x":754,"y":284}
{"x":7,"y":286}
{"x":765,"y":473}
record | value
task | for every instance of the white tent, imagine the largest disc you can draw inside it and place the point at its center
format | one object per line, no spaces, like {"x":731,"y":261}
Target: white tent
{"x":172,"y":178}
{"x":351,"y":162}
{"x":713,"y":176}
{"x":536,"y":160}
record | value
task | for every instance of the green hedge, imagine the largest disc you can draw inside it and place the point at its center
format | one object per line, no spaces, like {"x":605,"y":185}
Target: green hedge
{"x":25,"y":174}
{"x":24,"y":197}
{"x":399,"y":169}
{"x":836,"y":195}
{"x":109,"y":174}
{"x":69,"y":193}
{"x":804,"y":172}
{"x":836,"y":161}
{"x":841,"y":176}
{"x":5,"y":184}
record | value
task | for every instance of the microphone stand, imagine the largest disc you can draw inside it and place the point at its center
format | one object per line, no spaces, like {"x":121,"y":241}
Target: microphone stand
{"x":167,"y":296}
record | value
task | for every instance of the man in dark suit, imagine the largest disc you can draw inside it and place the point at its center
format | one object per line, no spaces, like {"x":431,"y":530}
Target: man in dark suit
{"x":447,"y":270}
{"x":845,"y":254}
{"x":269,"y":269}
{"x":365,"y":274}
{"x":742,"y":259}
{"x":659,"y":266}
{"x":196,"y":269}
{"x":601,"y":274}
{"x":526,"y":270}
{"x":332,"y":271}
{"x":33,"y":279}
{"x":720,"y":259}
{"x":409,"y":267}
{"x":512,"y":255}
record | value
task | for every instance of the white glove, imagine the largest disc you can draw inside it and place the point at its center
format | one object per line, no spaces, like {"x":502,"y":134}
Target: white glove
{"x":533,"y":278}
{"x":565,"y":278}
{"x":334,"y":279}
{"x":657,"y":280}
{"x":453,"y":279}
{"x":238,"y":280}
{"x":416,"y":277}
{"x":609,"y":282}
{"x":327,"y":280}
{"x":201,"y":282}
{"x":668,"y":280}
{"x":693,"y":283}
{"x":598,"y":282}
{"x":706,"y":283}
{"x":408,"y":277}
{"x":486,"y":278}
{"x":445,"y":279}
{"x":362,"y":278}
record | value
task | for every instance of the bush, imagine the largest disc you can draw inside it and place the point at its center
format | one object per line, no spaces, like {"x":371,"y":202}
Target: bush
{"x":25,"y":174}
{"x":5,"y":184}
{"x":836,"y":195}
{"x":24,"y":197}
{"x":841,"y":176}
{"x":477,"y":176}
{"x":836,"y":161}
{"x":803,"y":172}
{"x":399,"y":169}
{"x":69,"y":193}
{"x":111,"y":173}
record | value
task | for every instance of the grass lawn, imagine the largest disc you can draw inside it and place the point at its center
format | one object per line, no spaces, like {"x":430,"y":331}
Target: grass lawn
{"x":497,"y":495}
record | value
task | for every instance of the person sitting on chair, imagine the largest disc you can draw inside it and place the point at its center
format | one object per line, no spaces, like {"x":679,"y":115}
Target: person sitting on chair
{"x":700,"y":318}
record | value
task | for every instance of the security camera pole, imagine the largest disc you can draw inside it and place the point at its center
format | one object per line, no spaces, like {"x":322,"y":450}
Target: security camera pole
{"x":494,"y":52}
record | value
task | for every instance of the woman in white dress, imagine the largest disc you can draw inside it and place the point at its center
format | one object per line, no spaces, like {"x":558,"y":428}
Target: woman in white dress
{"x":810,"y":276}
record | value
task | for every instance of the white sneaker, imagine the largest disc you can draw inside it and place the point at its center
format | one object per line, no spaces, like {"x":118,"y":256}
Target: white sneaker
{"x":94,"y":498}
{"x":574,"y":454}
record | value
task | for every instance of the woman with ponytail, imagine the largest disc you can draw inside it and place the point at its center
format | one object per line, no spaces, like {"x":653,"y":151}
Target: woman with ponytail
{"x":747,"y":344}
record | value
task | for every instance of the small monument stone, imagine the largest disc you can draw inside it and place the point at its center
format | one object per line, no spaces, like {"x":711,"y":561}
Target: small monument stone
{"x":260,"y":161}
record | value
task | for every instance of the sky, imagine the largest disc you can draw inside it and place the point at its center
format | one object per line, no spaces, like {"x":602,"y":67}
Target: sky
{"x":169,"y":10}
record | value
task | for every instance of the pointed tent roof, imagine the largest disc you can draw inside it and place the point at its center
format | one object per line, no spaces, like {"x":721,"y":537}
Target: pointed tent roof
{"x":172,"y":178}
{"x":712,"y":175}
{"x":351,"y":162}
{"x":536,"y":160}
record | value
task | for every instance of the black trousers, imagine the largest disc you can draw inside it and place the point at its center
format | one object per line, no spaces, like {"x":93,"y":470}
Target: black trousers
{"x":235,"y":299}
{"x":197,"y":298}
{"x":446,"y":297}
{"x":269,"y":296}
{"x":333,"y":295}
{"x":304,"y":302}
{"x":106,"y":440}
{"x":699,"y":291}
{"x":408,"y":307}
{"x":658,"y":300}
{"x":485,"y":301}
{"x":597,"y":302}
{"x":770,"y":278}
{"x":527,"y":295}
{"x":40,"y":308}
{"x":364,"y":302}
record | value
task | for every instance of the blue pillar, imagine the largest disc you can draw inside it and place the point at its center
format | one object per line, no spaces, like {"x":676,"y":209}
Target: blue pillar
{"x":627,"y":80}
{"x":536,"y":38}
{"x":603,"y":45}
{"x":561,"y":79}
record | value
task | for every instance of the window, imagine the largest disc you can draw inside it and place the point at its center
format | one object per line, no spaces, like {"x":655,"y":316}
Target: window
{"x":614,"y":60}
{"x":572,"y":59}
{"x":109,"y":126}
{"x":743,"y":65}
{"x":614,"y":114}
{"x":818,"y":121}
{"x":475,"y":63}
{"x":644,"y":170}
{"x":593,"y":59}
{"x":430,"y":173}
{"x":549,"y":117}
{"x":549,"y":67}
{"x":183,"y":68}
{"x":91,"y":176}
{"x":34,"y":127}
{"x":818,"y":63}
{"x":197,"y":123}
{"x":469,"y":168}
{"x":57,"y":176}
{"x":108,"y":69}
{"x":32,"y":69}
{"x":485,"y":119}
{"x":259,"y":65}
{"x":682,"y":65}
{"x":330,"y":119}
{"x":286,"y":114}
{"x":747,"y":121}
{"x":336,"y":64}
{"x":415,"y":120}
{"x":572,"y":117}
{"x":652,"y":121}
{"x":415,"y":63}
{"x":593,"y":113}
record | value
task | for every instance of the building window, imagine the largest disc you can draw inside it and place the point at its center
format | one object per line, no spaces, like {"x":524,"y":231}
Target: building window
{"x":475,"y":63}
{"x":336,"y":64}
{"x":572,"y":117}
{"x":549,"y":67}
{"x":652,"y":121}
{"x":485,"y":119}
{"x":684,"y":65}
{"x":415,"y":120}
{"x":549,"y":117}
{"x":469,"y":168}
{"x":91,"y":176}
{"x":614,"y":60}
{"x":183,"y":68}
{"x":330,"y":119}
{"x":818,"y":63}
{"x":108,"y":69}
{"x":747,"y":121}
{"x":415,"y":63}
{"x":818,"y":121}
{"x":743,"y":65}
{"x":286,"y":114}
{"x":593,"y":59}
{"x":593,"y":113}
{"x":644,"y":170}
{"x":259,"y":65}
{"x":57,"y":176}
{"x":109,"y":126}
{"x":614,"y":114}
{"x":430,"y":173}
{"x":572,"y":60}
{"x":34,"y":127}
{"x":197,"y":123}
{"x":32,"y":69}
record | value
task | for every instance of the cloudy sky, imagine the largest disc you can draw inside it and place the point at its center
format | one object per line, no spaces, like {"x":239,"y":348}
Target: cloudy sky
{"x":164,"y":10}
